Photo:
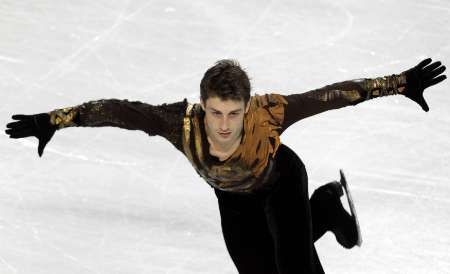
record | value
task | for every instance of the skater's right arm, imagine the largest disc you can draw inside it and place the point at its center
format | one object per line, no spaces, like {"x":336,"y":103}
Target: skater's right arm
{"x":164,"y":120}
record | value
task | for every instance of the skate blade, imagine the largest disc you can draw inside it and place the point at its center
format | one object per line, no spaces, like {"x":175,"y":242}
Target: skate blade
{"x":351,"y":205}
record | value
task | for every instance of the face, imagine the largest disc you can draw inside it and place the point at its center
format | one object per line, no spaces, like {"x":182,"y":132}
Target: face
{"x":224,"y":119}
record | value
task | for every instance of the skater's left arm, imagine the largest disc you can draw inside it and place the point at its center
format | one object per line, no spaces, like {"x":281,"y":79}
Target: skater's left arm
{"x":410,"y":83}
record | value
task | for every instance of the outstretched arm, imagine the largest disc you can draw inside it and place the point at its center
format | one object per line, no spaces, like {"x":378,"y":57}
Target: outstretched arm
{"x":410,"y":83}
{"x":164,"y":120}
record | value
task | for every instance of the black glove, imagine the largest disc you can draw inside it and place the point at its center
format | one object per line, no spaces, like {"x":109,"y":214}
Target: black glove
{"x":421,"y":77}
{"x":37,"y":125}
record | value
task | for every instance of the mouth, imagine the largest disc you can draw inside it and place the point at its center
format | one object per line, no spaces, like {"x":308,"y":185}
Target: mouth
{"x":226,"y":134}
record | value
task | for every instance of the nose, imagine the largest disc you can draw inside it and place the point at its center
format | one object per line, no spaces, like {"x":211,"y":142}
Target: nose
{"x":224,"y":124}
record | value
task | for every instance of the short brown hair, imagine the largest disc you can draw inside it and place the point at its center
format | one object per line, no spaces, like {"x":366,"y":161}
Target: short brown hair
{"x":226,"y":80}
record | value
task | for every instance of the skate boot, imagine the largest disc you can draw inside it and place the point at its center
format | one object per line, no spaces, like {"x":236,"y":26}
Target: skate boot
{"x":344,"y":226}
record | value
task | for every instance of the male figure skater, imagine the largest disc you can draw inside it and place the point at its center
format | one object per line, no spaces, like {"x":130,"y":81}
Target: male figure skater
{"x":232,"y":140}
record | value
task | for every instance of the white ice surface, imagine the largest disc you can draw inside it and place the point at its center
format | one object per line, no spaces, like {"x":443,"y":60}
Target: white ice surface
{"x":106,"y":200}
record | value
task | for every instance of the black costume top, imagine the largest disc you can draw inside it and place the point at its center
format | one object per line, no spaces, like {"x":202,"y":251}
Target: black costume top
{"x":251,"y":167}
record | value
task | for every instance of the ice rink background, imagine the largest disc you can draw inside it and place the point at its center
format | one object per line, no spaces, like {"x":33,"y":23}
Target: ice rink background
{"x":106,"y":200}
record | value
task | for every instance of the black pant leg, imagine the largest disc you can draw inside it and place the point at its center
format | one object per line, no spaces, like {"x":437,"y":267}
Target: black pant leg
{"x":320,"y":211}
{"x":246,"y":234}
{"x":288,"y":214}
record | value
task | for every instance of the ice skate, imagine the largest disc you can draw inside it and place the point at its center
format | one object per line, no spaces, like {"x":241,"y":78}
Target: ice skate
{"x":332,"y":216}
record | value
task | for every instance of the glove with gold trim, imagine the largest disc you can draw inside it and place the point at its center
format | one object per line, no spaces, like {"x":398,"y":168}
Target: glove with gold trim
{"x":37,"y":125}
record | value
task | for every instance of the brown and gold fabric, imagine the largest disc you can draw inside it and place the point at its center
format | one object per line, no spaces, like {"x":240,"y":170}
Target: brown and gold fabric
{"x":249,"y":167}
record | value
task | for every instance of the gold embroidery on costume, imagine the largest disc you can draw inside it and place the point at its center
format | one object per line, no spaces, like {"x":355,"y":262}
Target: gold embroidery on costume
{"x":198,"y":140}
{"x":352,"y":95}
{"x":330,"y":95}
{"x":383,"y":86}
{"x":187,"y":133}
{"x":63,"y":117}
{"x":356,"y":91}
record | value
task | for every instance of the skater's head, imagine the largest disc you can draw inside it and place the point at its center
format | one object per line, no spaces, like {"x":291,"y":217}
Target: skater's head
{"x":225,"y":92}
{"x":226,"y":80}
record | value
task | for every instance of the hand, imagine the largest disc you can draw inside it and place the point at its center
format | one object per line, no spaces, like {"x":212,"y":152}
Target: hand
{"x":37,"y":125}
{"x":421,"y":77}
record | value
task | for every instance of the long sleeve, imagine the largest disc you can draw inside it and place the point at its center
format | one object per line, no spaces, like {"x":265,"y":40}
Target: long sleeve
{"x":164,"y":120}
{"x":338,"y":95}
